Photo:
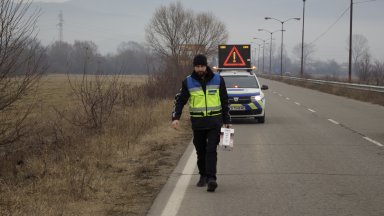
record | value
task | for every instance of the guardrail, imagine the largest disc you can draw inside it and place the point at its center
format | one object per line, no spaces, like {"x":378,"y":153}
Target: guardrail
{"x":349,"y":85}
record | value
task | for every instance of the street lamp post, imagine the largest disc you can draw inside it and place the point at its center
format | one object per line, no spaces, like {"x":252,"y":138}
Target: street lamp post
{"x":282,"y":38}
{"x":302,"y":44}
{"x":263,"y":57}
{"x":258,"y":58}
{"x":263,"y":49}
{"x":253,"y":56}
{"x":270,"y":48}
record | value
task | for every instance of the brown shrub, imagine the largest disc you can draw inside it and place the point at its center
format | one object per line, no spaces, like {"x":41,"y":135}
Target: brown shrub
{"x":63,"y":169}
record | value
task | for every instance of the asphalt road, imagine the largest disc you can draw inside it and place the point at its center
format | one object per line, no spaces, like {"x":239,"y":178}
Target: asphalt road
{"x":316,"y":154}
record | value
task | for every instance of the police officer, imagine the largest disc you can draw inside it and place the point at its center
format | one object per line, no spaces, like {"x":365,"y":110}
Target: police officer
{"x":207,"y":96}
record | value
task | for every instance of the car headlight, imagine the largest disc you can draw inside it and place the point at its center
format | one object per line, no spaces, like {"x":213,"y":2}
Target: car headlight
{"x":256,"y":98}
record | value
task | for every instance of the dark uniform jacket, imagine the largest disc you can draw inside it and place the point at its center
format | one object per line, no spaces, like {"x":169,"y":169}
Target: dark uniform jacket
{"x":208,"y":122}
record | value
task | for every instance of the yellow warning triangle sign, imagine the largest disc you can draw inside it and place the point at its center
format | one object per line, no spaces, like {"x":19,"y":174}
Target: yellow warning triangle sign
{"x":234,"y":58}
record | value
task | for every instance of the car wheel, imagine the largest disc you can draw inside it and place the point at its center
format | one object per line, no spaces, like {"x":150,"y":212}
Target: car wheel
{"x":260,"y":119}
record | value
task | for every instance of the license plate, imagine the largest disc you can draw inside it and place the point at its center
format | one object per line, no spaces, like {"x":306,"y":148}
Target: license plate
{"x":236,"y":108}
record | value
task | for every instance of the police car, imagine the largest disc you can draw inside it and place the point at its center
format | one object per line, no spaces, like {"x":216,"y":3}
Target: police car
{"x":245,"y":94}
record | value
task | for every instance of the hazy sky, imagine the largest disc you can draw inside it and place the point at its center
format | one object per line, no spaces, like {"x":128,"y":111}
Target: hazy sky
{"x":110,"y":22}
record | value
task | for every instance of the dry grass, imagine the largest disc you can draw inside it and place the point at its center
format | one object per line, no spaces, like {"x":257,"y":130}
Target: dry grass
{"x":64,"y":170}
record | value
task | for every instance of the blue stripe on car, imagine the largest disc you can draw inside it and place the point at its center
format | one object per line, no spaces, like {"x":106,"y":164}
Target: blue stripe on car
{"x":243,"y":95}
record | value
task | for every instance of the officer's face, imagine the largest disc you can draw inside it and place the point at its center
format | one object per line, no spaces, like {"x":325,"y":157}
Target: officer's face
{"x":200,"y":69}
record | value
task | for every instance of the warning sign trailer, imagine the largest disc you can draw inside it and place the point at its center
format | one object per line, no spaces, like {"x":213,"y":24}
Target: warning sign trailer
{"x":235,"y":56}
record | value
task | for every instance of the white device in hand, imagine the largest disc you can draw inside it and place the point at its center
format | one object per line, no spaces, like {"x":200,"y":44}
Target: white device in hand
{"x":226,"y":138}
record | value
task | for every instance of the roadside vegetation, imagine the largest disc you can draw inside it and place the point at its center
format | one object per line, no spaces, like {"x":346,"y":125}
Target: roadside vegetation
{"x":82,"y":133}
{"x":87,"y":134}
{"x":357,"y":94}
{"x":63,"y":167}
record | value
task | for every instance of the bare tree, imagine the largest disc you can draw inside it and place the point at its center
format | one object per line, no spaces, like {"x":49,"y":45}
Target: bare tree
{"x":133,"y":58}
{"x":208,"y":34}
{"x":96,"y":93}
{"x":309,"y":50}
{"x":83,"y":57}
{"x":360,"y":50}
{"x":131,"y":46}
{"x":21,"y":65}
{"x":378,"y":73}
{"x":176,"y":33}
{"x":58,"y":55}
{"x":364,"y":67}
{"x":170,"y":28}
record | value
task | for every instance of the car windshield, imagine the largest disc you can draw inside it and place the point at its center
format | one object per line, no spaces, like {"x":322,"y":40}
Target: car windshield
{"x":240,"y":82}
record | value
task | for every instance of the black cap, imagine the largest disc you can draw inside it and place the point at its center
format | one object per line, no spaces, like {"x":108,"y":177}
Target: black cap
{"x":200,"y":59}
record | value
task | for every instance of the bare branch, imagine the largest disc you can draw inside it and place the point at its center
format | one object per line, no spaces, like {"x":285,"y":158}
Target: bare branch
{"x":96,"y":93}
{"x":21,"y":64}
{"x":178,"y":34}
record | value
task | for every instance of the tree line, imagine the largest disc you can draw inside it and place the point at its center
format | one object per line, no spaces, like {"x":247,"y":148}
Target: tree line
{"x":131,"y":58}
{"x":173,"y":35}
{"x":365,"y":69}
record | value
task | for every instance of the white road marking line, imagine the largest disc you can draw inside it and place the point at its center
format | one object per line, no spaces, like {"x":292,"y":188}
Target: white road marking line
{"x":174,"y":202}
{"x":288,"y":98}
{"x":312,"y":110}
{"x":280,"y":95}
{"x":373,"y":141}
{"x":274,"y":92}
{"x":333,"y":121}
{"x":297,"y":103}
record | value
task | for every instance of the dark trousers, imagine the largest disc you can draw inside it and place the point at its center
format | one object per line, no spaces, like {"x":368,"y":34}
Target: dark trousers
{"x":206,"y":142}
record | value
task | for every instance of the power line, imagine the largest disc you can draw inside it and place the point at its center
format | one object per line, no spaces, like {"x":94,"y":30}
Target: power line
{"x":341,"y":16}
{"x":330,"y":27}
{"x":361,"y":2}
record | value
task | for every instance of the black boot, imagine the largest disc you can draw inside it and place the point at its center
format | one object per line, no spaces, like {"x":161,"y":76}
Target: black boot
{"x":212,"y":185}
{"x":202,"y":181}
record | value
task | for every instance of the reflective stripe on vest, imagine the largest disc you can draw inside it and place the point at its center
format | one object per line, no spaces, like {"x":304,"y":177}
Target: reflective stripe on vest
{"x":204,"y":104}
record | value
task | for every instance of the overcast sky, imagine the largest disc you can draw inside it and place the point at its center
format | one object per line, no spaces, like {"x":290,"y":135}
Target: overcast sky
{"x":110,"y":22}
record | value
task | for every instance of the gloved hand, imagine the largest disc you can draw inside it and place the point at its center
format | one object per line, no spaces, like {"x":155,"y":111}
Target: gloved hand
{"x":227,"y":125}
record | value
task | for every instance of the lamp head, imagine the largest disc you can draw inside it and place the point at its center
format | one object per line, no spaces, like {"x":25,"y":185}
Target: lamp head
{"x":267,"y":18}
{"x":260,"y":29}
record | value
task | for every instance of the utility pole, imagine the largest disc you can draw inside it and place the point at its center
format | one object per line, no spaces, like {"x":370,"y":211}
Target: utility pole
{"x":302,"y":44}
{"x":350,"y":45}
{"x":61,"y":24}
